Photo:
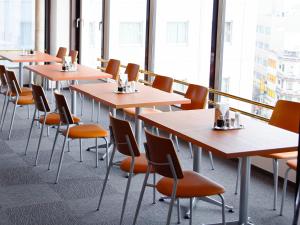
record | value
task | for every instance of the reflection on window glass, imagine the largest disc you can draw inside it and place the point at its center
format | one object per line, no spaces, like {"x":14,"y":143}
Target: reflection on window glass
{"x":127,"y":31}
{"x":17,"y":24}
{"x":263,"y":60}
{"x":183,"y":40}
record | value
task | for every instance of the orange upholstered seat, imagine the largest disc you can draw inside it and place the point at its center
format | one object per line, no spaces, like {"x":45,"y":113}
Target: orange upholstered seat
{"x":191,"y":185}
{"x":292,"y":164}
{"x":140,"y":164}
{"x":131,"y":111}
{"x":25,"y":100}
{"x":24,"y":91}
{"x":86,"y":131}
{"x":54,"y":119}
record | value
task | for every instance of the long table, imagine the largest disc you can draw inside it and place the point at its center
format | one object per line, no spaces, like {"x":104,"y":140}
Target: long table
{"x":256,"y":138}
{"x":145,"y":97}
{"x":53,"y":72}
{"x":18,"y":57}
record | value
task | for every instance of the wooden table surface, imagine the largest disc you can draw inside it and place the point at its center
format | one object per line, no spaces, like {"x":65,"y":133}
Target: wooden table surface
{"x":146,"y":97}
{"x":37,"y":57}
{"x":195,"y":126}
{"x":53,"y":72}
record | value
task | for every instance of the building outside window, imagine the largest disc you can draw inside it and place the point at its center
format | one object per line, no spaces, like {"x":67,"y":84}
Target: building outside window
{"x":131,"y":33}
{"x":228,"y":32}
{"x":177,"y":32}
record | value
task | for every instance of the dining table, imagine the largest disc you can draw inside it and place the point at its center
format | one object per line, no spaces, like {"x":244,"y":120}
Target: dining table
{"x":253,"y":138}
{"x":22,"y":57}
{"x":54,"y":72}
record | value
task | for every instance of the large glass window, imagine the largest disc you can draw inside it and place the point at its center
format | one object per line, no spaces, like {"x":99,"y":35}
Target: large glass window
{"x":262,"y":60}
{"x":17,"y":24}
{"x":127,"y":31}
{"x":183,"y":40}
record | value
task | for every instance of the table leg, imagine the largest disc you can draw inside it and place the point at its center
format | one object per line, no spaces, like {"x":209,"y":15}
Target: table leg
{"x":138,"y":126}
{"x":197,"y":152}
{"x":21,"y":74}
{"x":74,"y":99}
{"x":30,"y":76}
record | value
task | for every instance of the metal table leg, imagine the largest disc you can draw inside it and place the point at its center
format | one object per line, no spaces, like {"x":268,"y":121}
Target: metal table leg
{"x":21,"y":74}
{"x":30,"y":76}
{"x":138,"y":126}
{"x":74,"y":99}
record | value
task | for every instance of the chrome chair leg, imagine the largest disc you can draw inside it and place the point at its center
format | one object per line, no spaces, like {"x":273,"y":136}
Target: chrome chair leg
{"x":191,"y":211}
{"x":30,"y":131}
{"x":223,"y":209}
{"x":106,"y":151}
{"x":92,"y":116}
{"x":39,"y":143}
{"x":238,"y":176}
{"x":61,"y":159}
{"x":80,"y":149}
{"x":275,"y":170}
{"x":28,"y":111}
{"x":69,"y":149}
{"x":191,"y":149}
{"x":284,"y":190}
{"x":12,"y":121}
{"x":178,"y":211}
{"x":141,"y":196}
{"x":53,"y":147}
{"x":173,"y":196}
{"x":3,"y":108}
{"x":154,"y":189}
{"x":82,"y":102}
{"x":177,"y":143}
{"x":5,"y":112}
{"x":98,"y":113}
{"x":106,"y":176}
{"x":97,"y":155}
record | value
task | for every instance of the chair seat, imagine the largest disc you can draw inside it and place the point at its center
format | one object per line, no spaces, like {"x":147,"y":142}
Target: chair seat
{"x":140,"y":164}
{"x":284,"y":155}
{"x":86,"y":131}
{"x":25,"y":100}
{"x":54,"y":119}
{"x":191,"y":185}
{"x":292,"y":164}
{"x":24,"y":91}
{"x":131,"y":111}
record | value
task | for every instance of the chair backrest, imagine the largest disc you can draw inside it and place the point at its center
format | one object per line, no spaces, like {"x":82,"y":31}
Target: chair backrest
{"x":73,"y":54}
{"x":2,"y":76}
{"x":62,"y":51}
{"x":157,"y":151}
{"x":113,"y":67}
{"x":132,"y":70}
{"x":40,"y":99}
{"x":121,"y":129}
{"x":13,"y":83}
{"x":163,"y":83}
{"x":63,"y":109}
{"x":286,"y":115}
{"x":198,"y":96}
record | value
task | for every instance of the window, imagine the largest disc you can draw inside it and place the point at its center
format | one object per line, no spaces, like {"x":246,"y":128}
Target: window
{"x":228,"y":32}
{"x":131,"y":33}
{"x":177,"y":32}
{"x":26,"y":40}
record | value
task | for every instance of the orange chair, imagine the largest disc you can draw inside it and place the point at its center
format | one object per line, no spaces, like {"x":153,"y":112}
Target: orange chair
{"x":73,"y":54}
{"x":42,"y":106}
{"x":162,"y":83}
{"x":132,"y":70}
{"x":286,"y":115}
{"x":134,"y":163}
{"x":62,"y":51}
{"x":82,"y":131}
{"x":16,"y":96}
{"x":292,"y":165}
{"x":176,"y":183}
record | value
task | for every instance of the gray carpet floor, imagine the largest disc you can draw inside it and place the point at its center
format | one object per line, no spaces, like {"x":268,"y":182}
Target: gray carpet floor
{"x":28,"y":194}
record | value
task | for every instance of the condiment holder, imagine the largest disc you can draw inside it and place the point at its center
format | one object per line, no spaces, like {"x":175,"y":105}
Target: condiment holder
{"x":125,"y":87}
{"x":67,"y":65}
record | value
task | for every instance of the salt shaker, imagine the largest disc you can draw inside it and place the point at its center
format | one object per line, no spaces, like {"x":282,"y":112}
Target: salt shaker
{"x":237,"y":119}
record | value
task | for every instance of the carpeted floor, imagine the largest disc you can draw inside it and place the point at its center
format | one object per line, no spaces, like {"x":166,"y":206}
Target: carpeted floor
{"x":28,"y":194}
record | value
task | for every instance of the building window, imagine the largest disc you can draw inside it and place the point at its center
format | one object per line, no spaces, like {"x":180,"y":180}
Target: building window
{"x":92,"y":30}
{"x":225,"y":84}
{"x":131,"y":33}
{"x":26,"y":30}
{"x":228,"y":32}
{"x":177,"y":32}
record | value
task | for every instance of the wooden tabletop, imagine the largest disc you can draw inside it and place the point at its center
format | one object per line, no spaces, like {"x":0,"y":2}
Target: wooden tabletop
{"x":37,"y":57}
{"x":195,"y":126}
{"x":53,"y":72}
{"x":147,"y":96}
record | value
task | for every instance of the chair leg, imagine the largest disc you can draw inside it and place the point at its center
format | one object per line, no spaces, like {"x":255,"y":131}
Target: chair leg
{"x":98,"y":113}
{"x":107,"y":153}
{"x":157,"y":131}
{"x":106,"y":177}
{"x":39,"y":144}
{"x":238,"y":176}
{"x":154,"y":190}
{"x":284,"y":190}
{"x":178,"y":211}
{"x":191,"y":211}
{"x":82,"y":102}
{"x":223,"y":209}
{"x":173,"y":197}
{"x":30,"y":131}
{"x":177,"y":143}
{"x":141,"y":196}
{"x":28,"y":111}
{"x":12,"y":121}
{"x":275,"y":171}
{"x":127,"y":190}
{"x":211,"y":160}
{"x":191,"y":149}
{"x":69,"y":149}
{"x":4,"y":115}
{"x":92,"y":116}
{"x":53,"y":147}
{"x":80,"y":149}
{"x":97,"y":155}
{"x":60,"y":159}
{"x":3,"y":108}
